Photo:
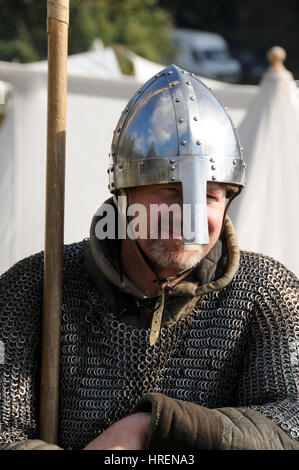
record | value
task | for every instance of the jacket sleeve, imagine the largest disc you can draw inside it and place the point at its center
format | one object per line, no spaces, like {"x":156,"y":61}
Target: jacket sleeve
{"x":33,"y":444}
{"x":181,"y":425}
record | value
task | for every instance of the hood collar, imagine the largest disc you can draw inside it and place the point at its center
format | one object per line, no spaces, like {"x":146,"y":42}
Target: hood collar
{"x":215,"y":271}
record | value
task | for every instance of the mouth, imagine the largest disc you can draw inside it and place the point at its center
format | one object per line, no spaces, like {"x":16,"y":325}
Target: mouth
{"x":170,"y":235}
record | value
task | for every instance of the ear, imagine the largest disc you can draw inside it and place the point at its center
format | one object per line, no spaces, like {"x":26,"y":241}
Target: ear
{"x":227,"y":208}
{"x":226,"y":211}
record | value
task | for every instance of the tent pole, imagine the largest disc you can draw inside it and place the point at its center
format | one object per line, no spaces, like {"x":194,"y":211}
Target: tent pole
{"x":57,"y":23}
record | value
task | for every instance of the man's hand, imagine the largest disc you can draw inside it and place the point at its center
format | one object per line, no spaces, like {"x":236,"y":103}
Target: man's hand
{"x":127,"y":434}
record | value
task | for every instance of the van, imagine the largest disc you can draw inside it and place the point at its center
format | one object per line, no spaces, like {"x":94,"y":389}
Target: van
{"x":205,"y":54}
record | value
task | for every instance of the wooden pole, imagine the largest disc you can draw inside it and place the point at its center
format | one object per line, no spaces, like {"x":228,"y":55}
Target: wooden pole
{"x":58,"y":20}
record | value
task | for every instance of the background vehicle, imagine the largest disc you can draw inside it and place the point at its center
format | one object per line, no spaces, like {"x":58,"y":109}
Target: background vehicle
{"x":205,"y":54}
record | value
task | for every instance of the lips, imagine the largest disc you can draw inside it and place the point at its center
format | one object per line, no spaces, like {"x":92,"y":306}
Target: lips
{"x":169,"y":235}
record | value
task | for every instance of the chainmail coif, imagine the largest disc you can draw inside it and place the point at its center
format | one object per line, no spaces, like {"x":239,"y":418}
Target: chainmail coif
{"x":239,"y":347}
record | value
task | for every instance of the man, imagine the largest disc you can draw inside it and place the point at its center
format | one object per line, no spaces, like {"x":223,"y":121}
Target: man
{"x":171,"y":338}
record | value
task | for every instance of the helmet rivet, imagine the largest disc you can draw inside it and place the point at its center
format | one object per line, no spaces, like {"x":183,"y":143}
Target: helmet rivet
{"x":198,"y":142}
{"x":108,"y":170}
{"x":126,"y":110}
{"x":181,"y":119}
{"x":172,"y":167}
{"x":119,"y":129}
{"x":195,"y":118}
{"x":212,"y":160}
{"x":213,"y":177}
{"x":157,"y":75}
{"x":188,"y":83}
{"x":111,"y":184}
{"x":192,"y":98}
{"x":213,"y":167}
{"x":244,"y":165}
{"x":120,"y":166}
{"x":172,"y":84}
{"x":142,"y":163}
{"x":226,"y":108}
{"x":169,"y":73}
{"x":242,"y":148}
{"x":177,"y":100}
{"x":171,"y":161}
{"x":184,"y":142}
{"x":172,"y":178}
{"x":111,"y":169}
{"x":234,"y":161}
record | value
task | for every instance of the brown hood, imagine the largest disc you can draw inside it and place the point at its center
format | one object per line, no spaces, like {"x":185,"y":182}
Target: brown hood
{"x":217,"y":269}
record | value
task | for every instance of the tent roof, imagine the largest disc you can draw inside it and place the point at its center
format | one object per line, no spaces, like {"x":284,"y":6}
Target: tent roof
{"x":97,"y":62}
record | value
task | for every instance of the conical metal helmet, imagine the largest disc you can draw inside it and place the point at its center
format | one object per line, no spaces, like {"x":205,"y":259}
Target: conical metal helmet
{"x":174,"y":129}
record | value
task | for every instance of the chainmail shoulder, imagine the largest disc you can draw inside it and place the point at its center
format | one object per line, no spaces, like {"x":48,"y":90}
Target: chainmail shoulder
{"x":238,"y":347}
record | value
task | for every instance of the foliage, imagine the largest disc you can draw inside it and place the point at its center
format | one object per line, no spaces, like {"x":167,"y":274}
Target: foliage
{"x":140,"y":25}
{"x":254,"y":25}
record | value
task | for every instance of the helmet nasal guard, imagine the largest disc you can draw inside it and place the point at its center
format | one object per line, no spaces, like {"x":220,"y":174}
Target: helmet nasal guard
{"x":174,"y":129}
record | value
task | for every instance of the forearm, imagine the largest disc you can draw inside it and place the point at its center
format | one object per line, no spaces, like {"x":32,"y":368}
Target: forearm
{"x":31,"y":444}
{"x":180,"y":425}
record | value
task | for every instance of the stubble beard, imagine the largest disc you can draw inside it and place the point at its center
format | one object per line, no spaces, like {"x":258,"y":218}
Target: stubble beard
{"x":172,"y":255}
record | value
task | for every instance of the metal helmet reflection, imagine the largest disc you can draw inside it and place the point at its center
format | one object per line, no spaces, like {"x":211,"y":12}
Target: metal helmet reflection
{"x":174,"y":129}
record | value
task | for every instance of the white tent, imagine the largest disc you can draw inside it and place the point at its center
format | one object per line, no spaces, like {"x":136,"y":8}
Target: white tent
{"x":266,"y":215}
{"x":96,"y":97}
{"x":99,"y":61}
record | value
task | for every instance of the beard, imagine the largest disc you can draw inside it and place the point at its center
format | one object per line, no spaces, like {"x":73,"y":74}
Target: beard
{"x":173,"y":255}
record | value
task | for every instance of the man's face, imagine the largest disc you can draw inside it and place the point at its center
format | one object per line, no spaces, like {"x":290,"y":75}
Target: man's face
{"x":170,"y":253}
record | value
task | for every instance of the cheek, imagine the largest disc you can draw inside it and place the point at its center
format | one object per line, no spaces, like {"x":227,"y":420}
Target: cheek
{"x":215,"y":220}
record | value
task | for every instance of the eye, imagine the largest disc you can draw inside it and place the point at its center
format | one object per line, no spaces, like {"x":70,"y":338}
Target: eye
{"x":173,"y":191}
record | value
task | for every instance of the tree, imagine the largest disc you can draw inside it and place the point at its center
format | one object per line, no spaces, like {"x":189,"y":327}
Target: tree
{"x":142,"y":26}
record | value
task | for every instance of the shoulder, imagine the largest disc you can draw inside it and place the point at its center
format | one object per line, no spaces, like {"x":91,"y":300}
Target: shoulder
{"x":21,"y":287}
{"x":265,"y":270}
{"x":27,"y":274}
{"x":267,"y":281}
{"x":72,"y":254}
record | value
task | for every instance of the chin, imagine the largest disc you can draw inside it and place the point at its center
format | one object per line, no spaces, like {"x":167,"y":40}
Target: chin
{"x":171,"y":254}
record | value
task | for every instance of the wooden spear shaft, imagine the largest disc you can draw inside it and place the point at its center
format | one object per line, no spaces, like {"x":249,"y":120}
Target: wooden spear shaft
{"x":58,"y":20}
